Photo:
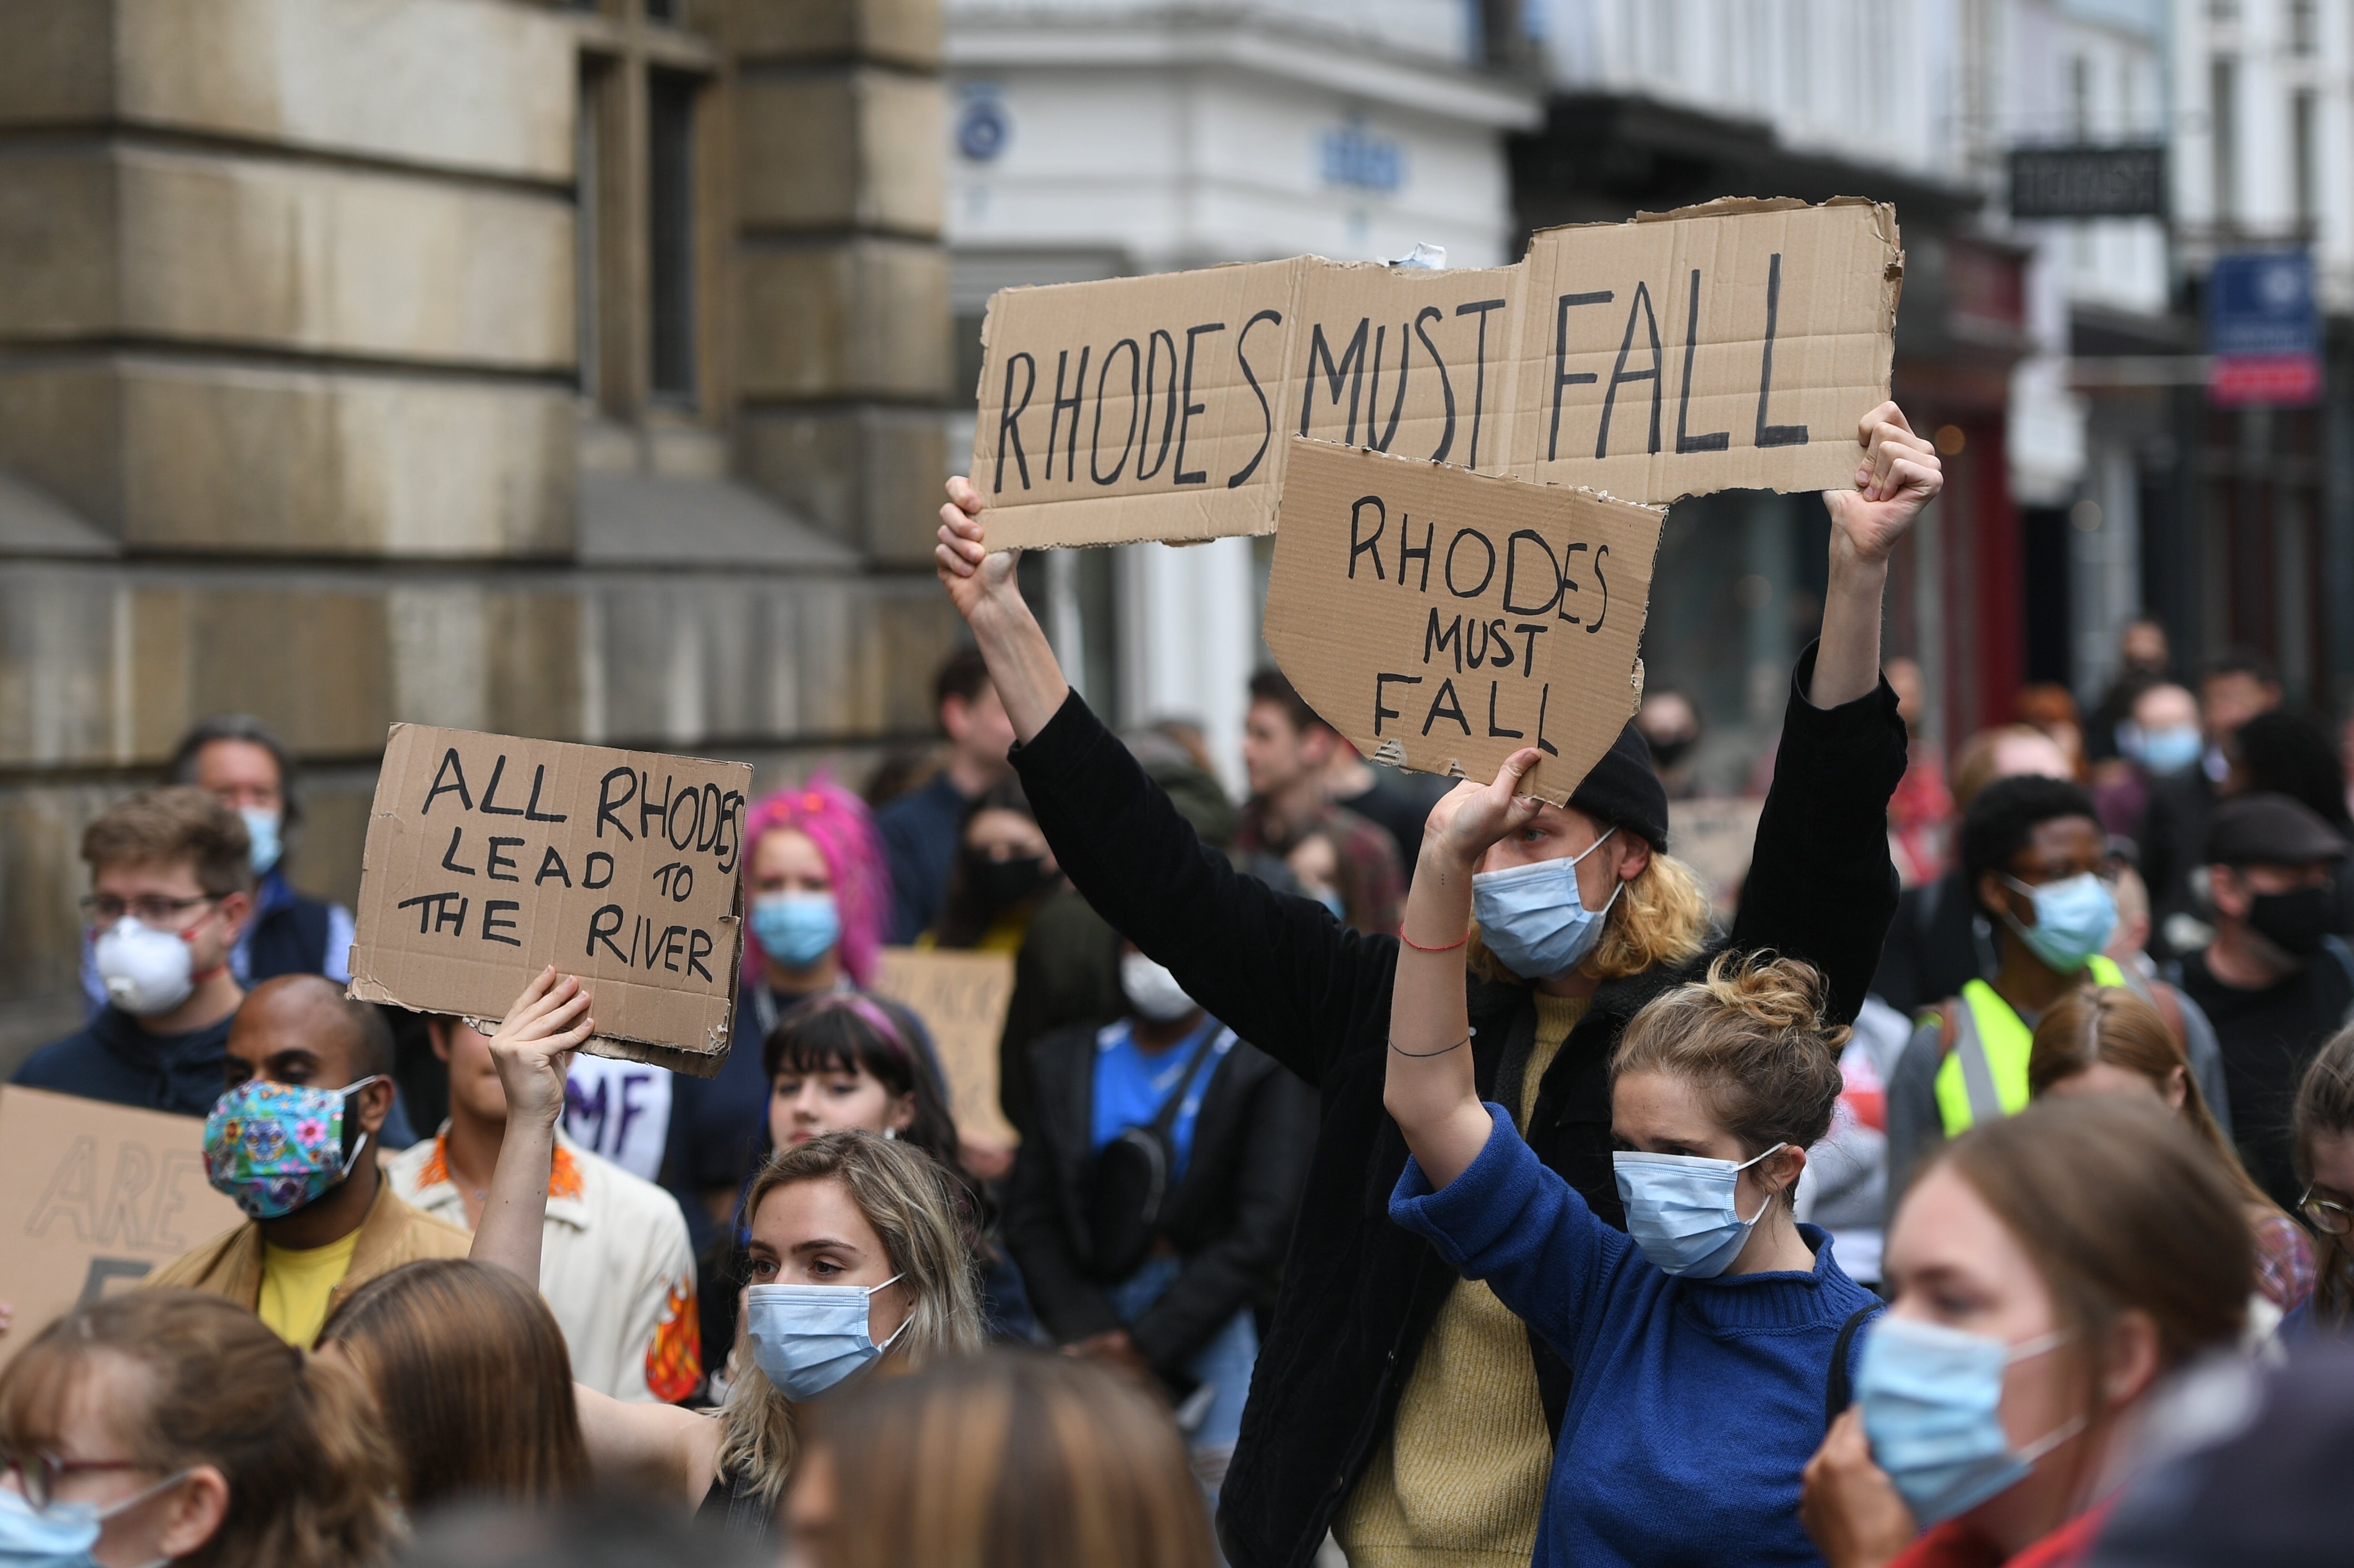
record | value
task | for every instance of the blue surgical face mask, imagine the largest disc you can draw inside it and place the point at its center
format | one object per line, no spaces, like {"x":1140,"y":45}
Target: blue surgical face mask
{"x":2073,"y":920}
{"x":1682,"y":1209}
{"x":2169,"y":748}
{"x":1932,"y":1402}
{"x":806,"y":1338}
{"x":796,"y":929}
{"x":262,"y":828}
{"x":1534,"y":918}
{"x":63,"y":1534}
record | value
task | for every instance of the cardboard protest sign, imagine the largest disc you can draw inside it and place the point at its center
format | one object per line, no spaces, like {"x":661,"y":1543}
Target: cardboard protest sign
{"x":1442,"y":620}
{"x":94,"y":1198}
{"x":489,"y":857}
{"x":1725,"y":346}
{"x":961,"y":998}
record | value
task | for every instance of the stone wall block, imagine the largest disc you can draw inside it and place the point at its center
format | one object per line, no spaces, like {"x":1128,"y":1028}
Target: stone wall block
{"x":870,"y":476}
{"x":864,"y":318}
{"x":135,"y":242}
{"x":62,"y":427}
{"x":457,"y":84}
{"x":903,"y":32}
{"x":855,"y":148}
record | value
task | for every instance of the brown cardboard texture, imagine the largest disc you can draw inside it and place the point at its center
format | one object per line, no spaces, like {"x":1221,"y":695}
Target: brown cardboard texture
{"x":1442,"y":620}
{"x":489,"y":857}
{"x":1736,"y":345}
{"x":961,"y":998}
{"x":94,"y":1198}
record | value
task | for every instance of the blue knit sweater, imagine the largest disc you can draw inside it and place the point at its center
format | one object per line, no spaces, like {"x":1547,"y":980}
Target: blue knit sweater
{"x":1696,"y":1402}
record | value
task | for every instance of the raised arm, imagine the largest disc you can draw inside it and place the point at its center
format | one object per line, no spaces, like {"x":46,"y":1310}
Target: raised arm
{"x":1021,"y":663}
{"x":1429,"y":1088}
{"x":533,"y":1052}
{"x":1899,"y":475}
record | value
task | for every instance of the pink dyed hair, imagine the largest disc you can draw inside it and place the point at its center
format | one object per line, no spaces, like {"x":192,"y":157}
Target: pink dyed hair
{"x":836,"y":822}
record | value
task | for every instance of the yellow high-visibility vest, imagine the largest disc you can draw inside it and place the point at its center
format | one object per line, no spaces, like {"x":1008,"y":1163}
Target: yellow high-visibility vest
{"x":1984,"y":1077}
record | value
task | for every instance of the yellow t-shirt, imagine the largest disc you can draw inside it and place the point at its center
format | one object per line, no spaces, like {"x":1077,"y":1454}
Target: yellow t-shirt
{"x":295,"y":1284}
{"x":1462,"y":1478}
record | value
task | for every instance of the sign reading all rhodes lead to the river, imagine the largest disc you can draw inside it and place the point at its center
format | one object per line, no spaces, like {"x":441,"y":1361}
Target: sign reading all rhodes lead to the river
{"x":491,"y":856}
{"x":1441,"y":619}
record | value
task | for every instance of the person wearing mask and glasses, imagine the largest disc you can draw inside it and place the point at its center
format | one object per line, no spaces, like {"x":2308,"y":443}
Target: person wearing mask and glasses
{"x":2325,"y":1163}
{"x":2035,"y":858}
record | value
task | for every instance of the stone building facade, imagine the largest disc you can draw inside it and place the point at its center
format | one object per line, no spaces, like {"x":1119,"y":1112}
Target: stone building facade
{"x":575,"y":370}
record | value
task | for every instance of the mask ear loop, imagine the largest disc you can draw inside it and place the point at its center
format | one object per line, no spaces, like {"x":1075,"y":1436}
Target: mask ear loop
{"x":348,"y":1090}
{"x":1770,"y":1196}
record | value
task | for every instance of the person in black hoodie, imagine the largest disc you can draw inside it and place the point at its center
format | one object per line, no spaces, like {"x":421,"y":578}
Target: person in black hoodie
{"x":1394,"y":1402}
{"x":1238,"y":1130}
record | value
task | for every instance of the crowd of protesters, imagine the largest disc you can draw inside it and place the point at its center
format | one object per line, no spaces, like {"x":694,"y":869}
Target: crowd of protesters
{"x":1405,"y":1174}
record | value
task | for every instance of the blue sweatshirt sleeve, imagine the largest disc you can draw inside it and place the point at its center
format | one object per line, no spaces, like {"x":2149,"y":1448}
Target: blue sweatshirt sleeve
{"x":1514,"y":1222}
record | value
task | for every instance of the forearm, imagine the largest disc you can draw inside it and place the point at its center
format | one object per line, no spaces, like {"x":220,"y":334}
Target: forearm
{"x":1021,"y":663}
{"x":1429,"y":1088}
{"x":516,"y":1208}
{"x":1848,"y":666}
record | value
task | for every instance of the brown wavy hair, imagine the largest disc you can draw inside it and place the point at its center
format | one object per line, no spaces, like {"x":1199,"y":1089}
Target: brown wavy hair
{"x":308,"y":1470}
{"x":916,"y":1208}
{"x":2111,"y":1024}
{"x":1751,"y":1035}
{"x":1661,"y":918}
{"x":2325,"y":1104}
{"x":472,"y":1380}
{"x":1012,"y":1459}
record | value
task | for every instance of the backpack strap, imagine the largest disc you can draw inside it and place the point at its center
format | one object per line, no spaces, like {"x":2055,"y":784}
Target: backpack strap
{"x":1166,"y":1118}
{"x":1837,"y":1394}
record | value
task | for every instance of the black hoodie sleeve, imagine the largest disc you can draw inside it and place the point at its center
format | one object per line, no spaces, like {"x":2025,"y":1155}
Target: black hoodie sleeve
{"x":1274,"y":967}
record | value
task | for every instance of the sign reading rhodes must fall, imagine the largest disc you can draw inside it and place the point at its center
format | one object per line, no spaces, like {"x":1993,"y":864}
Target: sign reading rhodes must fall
{"x":1734,"y":346}
{"x":491,"y":856}
{"x":1443,"y":621}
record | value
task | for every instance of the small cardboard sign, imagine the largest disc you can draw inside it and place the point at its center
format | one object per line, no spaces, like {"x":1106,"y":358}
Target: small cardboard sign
{"x":1734,"y":346}
{"x":491,"y":856}
{"x":94,"y":1198}
{"x":1442,"y":620}
{"x":961,"y":997}
{"x":1715,"y":835}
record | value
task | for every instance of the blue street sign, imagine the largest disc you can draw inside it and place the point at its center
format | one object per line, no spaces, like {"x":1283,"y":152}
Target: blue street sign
{"x":2262,"y":303}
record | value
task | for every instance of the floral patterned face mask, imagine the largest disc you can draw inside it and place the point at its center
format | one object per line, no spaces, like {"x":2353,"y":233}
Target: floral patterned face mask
{"x":272,"y":1148}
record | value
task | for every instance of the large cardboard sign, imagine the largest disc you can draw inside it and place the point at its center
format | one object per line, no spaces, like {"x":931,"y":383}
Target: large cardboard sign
{"x":94,"y":1198}
{"x":961,"y":997}
{"x":1725,"y":346}
{"x":1442,"y":620}
{"x":489,"y":857}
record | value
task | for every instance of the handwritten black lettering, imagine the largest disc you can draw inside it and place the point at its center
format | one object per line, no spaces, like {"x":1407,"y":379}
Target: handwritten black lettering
{"x":654,"y":813}
{"x":1480,"y":374}
{"x":433,"y":912}
{"x":1568,"y":583}
{"x":1445,"y":703}
{"x":731,"y":817}
{"x":1495,"y":730}
{"x":1435,"y":640}
{"x":698,"y":947}
{"x":1619,"y":375}
{"x":1773,"y":435}
{"x":1501,"y":642}
{"x":1352,"y":369}
{"x":589,"y":877}
{"x":1530,"y":632}
{"x":1055,"y":421}
{"x":1189,"y":407}
{"x":453,"y":770}
{"x":1408,"y":552}
{"x":1265,"y":409}
{"x":1446,"y":387}
{"x":1374,"y":391}
{"x":693,"y":800}
{"x":1486,"y":577}
{"x":496,"y":860}
{"x":531,"y":812}
{"x":1169,"y":418}
{"x":1095,"y":441}
{"x":491,"y":792}
{"x":1512,"y":570}
{"x":1009,"y":420}
{"x":552,"y":864}
{"x":599,"y":931}
{"x":1562,"y":377}
{"x":492,"y":925}
{"x":1369,"y":544}
{"x":448,"y":860}
{"x":1715,"y":440}
{"x":1380,"y":682}
{"x":1544,"y":693}
{"x":609,"y":805}
{"x":1596,"y":624}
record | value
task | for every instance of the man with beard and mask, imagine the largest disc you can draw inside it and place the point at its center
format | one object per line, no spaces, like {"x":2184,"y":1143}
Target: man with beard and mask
{"x":1158,"y":1279}
{"x":1400,"y":1406}
{"x":2275,"y":980}
{"x":2036,"y":867}
{"x":293,"y":1142}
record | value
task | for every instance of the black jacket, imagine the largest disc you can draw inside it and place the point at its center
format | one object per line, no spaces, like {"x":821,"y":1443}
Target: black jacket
{"x":1359,"y":1293}
{"x":1228,"y":1217}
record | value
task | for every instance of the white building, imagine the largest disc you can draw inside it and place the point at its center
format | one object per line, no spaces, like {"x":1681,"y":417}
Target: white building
{"x":1101,"y":138}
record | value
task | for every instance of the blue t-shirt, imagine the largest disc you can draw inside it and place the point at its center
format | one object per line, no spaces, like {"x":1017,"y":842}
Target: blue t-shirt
{"x":1131,"y":1086}
{"x":1696,"y":1402}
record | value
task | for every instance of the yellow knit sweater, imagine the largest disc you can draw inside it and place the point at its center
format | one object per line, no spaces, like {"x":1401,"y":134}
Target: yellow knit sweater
{"x":1461,"y":1478}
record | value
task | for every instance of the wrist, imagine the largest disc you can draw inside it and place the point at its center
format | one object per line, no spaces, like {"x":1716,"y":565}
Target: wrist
{"x":1851,"y":567}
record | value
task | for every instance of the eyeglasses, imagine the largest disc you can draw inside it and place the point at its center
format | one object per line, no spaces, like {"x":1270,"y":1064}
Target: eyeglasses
{"x":149,"y":908}
{"x":37,"y":1475}
{"x":2329,"y":1218}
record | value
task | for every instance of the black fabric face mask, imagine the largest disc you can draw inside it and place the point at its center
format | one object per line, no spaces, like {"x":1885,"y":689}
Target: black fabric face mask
{"x":1668,"y":752}
{"x":2294,"y":922}
{"x":1000,"y":884}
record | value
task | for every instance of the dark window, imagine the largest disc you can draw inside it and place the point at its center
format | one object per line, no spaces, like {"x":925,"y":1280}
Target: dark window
{"x":670,"y":171}
{"x":662,"y":10}
{"x":2223,"y":115}
{"x":588,"y":226}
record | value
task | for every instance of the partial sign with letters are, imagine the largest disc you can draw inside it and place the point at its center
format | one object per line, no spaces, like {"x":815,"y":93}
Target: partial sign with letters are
{"x":94,"y":1198}
{"x":1442,"y":620}
{"x":1733,"y":345}
{"x":491,"y":856}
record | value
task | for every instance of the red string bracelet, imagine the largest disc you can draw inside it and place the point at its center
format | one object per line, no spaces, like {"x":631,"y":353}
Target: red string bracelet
{"x":1449,"y":948}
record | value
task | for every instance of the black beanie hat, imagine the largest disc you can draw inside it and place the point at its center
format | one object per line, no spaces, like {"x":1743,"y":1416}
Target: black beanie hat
{"x":1623,"y":791}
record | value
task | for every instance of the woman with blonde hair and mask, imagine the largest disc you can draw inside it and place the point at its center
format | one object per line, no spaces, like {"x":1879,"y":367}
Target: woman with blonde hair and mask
{"x":1399,"y":1407}
{"x":2110,"y":1040}
{"x":2047,"y":1273}
{"x":858,"y":1255}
